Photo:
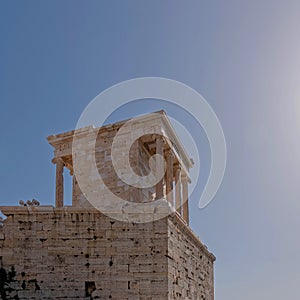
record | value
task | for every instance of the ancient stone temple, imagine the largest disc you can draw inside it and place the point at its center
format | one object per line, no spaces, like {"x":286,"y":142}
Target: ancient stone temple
{"x":84,"y":252}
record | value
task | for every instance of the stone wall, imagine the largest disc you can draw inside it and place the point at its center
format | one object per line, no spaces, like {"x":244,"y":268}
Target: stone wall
{"x":138,"y":160}
{"x":67,"y":254}
{"x":49,"y":253}
{"x":190,"y":265}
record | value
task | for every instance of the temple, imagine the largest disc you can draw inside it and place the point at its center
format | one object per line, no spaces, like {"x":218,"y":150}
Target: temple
{"x":165,"y":142}
{"x":84,"y":252}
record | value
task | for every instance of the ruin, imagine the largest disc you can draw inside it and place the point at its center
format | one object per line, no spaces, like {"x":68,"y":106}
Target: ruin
{"x":79,"y":252}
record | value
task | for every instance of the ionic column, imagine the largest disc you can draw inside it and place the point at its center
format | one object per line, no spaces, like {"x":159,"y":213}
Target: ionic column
{"x":169,"y":176}
{"x":185,"y":196}
{"x":159,"y":168}
{"x":59,"y":193}
{"x":74,"y":194}
{"x":178,"y":202}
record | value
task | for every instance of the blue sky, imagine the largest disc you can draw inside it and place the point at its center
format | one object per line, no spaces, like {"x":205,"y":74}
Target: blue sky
{"x":242,"y":56}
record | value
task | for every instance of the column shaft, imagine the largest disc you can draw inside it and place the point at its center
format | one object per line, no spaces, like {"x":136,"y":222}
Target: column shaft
{"x":169,"y":177}
{"x":159,"y":168}
{"x":74,"y":194}
{"x":178,"y":199}
{"x":185,"y":200}
{"x":59,"y":194}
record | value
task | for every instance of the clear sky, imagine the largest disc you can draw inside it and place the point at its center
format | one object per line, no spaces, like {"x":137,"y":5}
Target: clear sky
{"x":242,"y":56}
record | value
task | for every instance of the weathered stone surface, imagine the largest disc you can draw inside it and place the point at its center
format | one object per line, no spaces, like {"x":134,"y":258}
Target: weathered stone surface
{"x":77,"y":252}
{"x":55,"y":255}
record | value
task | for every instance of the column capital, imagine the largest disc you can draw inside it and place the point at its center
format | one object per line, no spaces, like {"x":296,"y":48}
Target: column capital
{"x":57,"y":160}
{"x":169,"y":152}
{"x":160,"y":137}
{"x":177,"y":167}
{"x":184,"y":177}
